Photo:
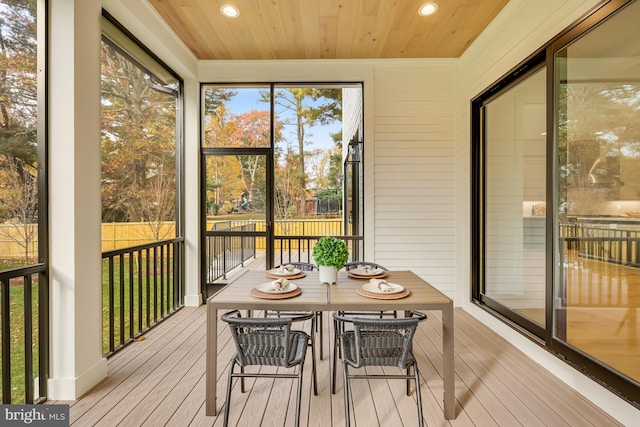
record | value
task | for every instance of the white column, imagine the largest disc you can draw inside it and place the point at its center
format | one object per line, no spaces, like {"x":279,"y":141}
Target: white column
{"x":193,"y":295}
{"x":76,"y":361}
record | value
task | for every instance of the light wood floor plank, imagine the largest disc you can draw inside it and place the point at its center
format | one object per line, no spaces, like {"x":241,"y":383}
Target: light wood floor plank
{"x":562,"y":401}
{"x":161,"y":381}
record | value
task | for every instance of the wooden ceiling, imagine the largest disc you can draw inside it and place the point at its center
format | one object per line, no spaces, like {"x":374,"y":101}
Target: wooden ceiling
{"x":327,"y":29}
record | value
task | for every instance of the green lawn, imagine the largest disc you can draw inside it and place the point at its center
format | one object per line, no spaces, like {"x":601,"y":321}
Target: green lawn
{"x":140,"y":293}
{"x":17,"y":327}
{"x":17,"y":321}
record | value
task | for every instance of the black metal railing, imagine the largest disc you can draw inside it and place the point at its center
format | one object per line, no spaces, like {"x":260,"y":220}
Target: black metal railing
{"x":227,"y":248}
{"x":300,"y":248}
{"x":142,"y":285}
{"x":614,"y":245}
{"x":24,"y":308}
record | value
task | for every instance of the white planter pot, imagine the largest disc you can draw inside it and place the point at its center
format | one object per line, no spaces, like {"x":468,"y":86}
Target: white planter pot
{"x":328,"y":274}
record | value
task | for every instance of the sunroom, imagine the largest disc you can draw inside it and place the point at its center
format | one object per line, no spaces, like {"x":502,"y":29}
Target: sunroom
{"x":505,"y":175}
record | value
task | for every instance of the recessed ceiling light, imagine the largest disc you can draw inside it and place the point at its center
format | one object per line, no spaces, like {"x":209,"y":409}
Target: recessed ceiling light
{"x":229,"y":11}
{"x":427,"y":9}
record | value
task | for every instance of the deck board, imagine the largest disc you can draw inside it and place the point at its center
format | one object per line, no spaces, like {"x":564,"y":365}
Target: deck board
{"x":161,"y":381}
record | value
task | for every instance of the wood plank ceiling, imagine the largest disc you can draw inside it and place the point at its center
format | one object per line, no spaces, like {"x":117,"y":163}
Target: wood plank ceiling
{"x":327,"y":29}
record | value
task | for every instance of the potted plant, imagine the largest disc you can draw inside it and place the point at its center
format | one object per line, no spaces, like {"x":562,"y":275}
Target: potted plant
{"x":331,"y":254}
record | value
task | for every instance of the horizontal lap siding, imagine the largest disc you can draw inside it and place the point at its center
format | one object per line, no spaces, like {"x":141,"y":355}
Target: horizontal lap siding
{"x":414,"y":170}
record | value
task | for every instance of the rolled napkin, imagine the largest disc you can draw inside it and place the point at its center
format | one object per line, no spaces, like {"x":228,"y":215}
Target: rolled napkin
{"x":366,"y":269}
{"x":279,"y":285}
{"x":382,"y":285}
{"x":286,"y":269}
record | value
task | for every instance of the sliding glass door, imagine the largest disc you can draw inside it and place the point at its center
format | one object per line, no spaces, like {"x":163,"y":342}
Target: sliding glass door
{"x":597,"y":99}
{"x":556,"y":197}
{"x":514,"y":154}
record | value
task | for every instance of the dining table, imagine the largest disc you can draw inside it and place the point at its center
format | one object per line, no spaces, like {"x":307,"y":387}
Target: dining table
{"x":345,"y":295}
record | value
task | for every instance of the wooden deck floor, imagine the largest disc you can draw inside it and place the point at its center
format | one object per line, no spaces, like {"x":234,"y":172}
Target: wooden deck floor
{"x":161,"y":381}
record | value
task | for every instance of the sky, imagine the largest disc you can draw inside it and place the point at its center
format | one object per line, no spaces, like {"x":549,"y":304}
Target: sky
{"x":247,"y":99}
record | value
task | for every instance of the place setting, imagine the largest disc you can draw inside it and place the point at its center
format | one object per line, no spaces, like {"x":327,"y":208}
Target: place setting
{"x":381,"y":289}
{"x":367,"y":272}
{"x":280,"y":288}
{"x":287,"y":271}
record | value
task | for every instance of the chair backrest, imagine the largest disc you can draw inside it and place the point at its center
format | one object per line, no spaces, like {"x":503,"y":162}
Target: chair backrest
{"x":351,"y":265}
{"x":303,"y":266}
{"x":382,"y":342}
{"x":260,"y":341}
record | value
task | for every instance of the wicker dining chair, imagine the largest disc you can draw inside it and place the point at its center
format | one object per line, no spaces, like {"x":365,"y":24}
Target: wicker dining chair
{"x":352,"y":265}
{"x":338,"y":327}
{"x":271,"y":342}
{"x":319,"y":327}
{"x":380,"y":342}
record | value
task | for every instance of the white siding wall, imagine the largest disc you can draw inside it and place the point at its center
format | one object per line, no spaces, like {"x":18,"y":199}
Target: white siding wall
{"x":414,"y":170}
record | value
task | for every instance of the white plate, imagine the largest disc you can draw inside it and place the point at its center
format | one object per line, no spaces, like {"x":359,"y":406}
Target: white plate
{"x":277,"y":272}
{"x":362,"y":272}
{"x":266,"y":287}
{"x":373,"y":288}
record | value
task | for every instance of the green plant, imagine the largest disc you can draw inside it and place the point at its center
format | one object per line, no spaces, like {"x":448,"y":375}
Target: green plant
{"x":331,"y":252}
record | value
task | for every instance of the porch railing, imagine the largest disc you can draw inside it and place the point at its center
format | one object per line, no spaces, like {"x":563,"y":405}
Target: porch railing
{"x":226,"y":252}
{"x":24,"y":308}
{"x":614,"y":245}
{"x":300,"y":248}
{"x":142,"y":285}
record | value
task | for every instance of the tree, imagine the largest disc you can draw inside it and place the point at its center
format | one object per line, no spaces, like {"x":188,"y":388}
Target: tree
{"x":286,"y":186}
{"x":251,"y":129}
{"x":21,"y":203}
{"x":138,"y":143}
{"x":18,"y":122}
{"x":157,"y":204}
{"x":303,"y":108}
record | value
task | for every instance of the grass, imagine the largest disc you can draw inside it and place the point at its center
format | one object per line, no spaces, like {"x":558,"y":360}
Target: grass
{"x":17,"y":339}
{"x":17,"y":321}
{"x":122,"y":305}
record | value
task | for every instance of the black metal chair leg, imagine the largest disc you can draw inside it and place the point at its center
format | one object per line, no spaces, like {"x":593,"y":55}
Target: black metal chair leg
{"x":345,"y":376}
{"x":416,"y":374}
{"x":313,"y":359}
{"x":299,"y":397}
{"x":408,"y":382}
{"x":227,"y":404}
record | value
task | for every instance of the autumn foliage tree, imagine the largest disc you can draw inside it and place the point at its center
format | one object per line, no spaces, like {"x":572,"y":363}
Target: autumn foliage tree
{"x":18,"y":123}
{"x":296,"y":165}
{"x":302,"y":108}
{"x":138,"y":144}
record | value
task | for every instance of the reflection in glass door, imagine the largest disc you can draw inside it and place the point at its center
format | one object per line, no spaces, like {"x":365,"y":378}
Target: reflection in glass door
{"x":598,"y":193}
{"x":515,"y":202}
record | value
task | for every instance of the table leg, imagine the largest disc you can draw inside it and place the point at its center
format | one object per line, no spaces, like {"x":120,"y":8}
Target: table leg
{"x":449,"y":369}
{"x":212,"y":359}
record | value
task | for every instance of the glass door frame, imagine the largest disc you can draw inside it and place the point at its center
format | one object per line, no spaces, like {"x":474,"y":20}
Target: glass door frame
{"x":268,"y":154}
